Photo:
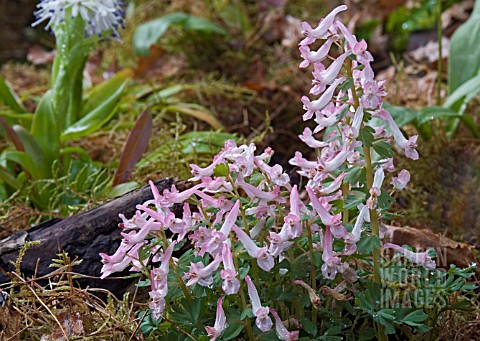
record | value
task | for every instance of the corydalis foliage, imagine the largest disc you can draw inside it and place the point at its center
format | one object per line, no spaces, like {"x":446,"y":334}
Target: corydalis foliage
{"x":99,"y":16}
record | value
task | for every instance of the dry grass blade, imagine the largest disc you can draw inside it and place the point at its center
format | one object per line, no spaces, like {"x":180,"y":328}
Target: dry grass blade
{"x":135,"y":146}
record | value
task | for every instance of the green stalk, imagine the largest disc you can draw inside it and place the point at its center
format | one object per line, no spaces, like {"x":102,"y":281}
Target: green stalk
{"x":313,"y":274}
{"x":243,"y":300}
{"x":374,"y":222}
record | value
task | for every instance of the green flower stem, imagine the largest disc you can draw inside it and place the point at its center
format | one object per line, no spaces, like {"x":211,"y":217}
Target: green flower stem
{"x":243,"y":300}
{"x":313,"y":274}
{"x":374,"y":223}
{"x":373,"y":215}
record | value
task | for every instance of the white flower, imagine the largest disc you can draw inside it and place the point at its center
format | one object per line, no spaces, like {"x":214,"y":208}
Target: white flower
{"x":99,"y":15}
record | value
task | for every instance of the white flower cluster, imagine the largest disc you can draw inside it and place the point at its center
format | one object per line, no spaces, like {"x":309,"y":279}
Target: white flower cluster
{"x":99,"y":15}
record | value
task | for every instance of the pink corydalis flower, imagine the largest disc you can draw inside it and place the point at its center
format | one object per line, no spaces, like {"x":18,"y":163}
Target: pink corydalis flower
{"x":230,"y":284}
{"x":263,"y":321}
{"x":264,"y":259}
{"x":309,"y":140}
{"x":327,"y":218}
{"x":157,"y":304}
{"x":409,"y":145}
{"x":322,"y":29}
{"x":282,"y":332}
{"x":316,"y":56}
{"x":328,"y":76}
{"x":159,"y":276}
{"x":256,"y":193}
{"x":201,"y":274}
{"x":220,"y":322}
{"x":420,"y":258}
{"x":360,"y":51}
{"x":376,"y":189}
{"x":402,"y":180}
{"x":317,"y":105}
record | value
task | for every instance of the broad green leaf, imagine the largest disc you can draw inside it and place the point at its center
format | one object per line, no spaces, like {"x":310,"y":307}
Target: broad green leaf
{"x":196,"y":111}
{"x":25,"y":161}
{"x":464,"y":52}
{"x":122,"y":189}
{"x":148,"y":33}
{"x":35,"y":151}
{"x":431,"y":113}
{"x":95,"y":119}
{"x":384,"y":149}
{"x":470,"y":88}
{"x":9,"y":97}
{"x":366,"y":136}
{"x":103,"y":91}
{"x":45,"y":129}
{"x":9,"y":179}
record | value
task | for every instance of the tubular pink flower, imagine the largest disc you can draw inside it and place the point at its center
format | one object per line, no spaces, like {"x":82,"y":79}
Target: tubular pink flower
{"x":360,"y":50}
{"x":118,"y":256}
{"x":157,"y":304}
{"x":220,"y":322}
{"x":328,"y":76}
{"x":332,"y":186}
{"x":352,"y":238}
{"x":176,"y":197}
{"x":420,"y":258}
{"x":230,"y":284}
{"x":199,"y":173}
{"x":351,"y":40}
{"x":299,"y":161}
{"x":323,"y":27}
{"x":275,"y":173}
{"x":110,"y":267}
{"x":319,"y":104}
{"x":309,"y":140}
{"x":201,"y":274}
{"x":327,"y":218}
{"x":409,"y":145}
{"x":402,"y":180}
{"x":263,"y":321}
{"x":230,"y":219}
{"x":332,"y":264}
{"x":254,"y":192}
{"x":136,"y":237}
{"x":279,"y":242}
{"x":282,"y":332}
{"x":357,"y":121}
{"x":264,"y":259}
{"x":335,"y":162}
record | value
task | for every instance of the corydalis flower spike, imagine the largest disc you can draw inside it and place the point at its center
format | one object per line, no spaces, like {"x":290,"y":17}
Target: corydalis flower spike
{"x":322,"y":29}
{"x":220,"y":322}
{"x":263,"y":321}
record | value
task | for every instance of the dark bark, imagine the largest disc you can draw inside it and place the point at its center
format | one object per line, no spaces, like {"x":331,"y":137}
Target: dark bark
{"x":84,"y":235}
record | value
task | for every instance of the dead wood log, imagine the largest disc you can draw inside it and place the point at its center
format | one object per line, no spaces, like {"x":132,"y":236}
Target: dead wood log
{"x":84,"y":235}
